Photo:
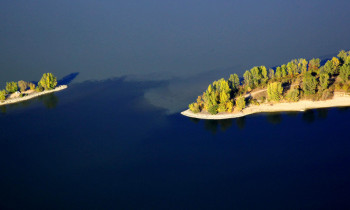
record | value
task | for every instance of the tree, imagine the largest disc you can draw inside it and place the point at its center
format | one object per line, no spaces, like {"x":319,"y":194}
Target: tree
{"x":48,"y":81}
{"x":309,"y":84}
{"x":302,"y":65}
{"x":271,"y":74}
{"x":248,"y":79}
{"x":293,"y":95}
{"x":263,"y":71}
{"x":194,"y":107}
{"x":274,"y":91}
{"x":32,"y":86}
{"x":314,"y":64}
{"x":3,"y":95}
{"x":233,"y":82}
{"x":278,"y":72}
{"x":324,"y":81}
{"x":22,"y":85}
{"x":292,"y":68}
{"x":343,"y":56}
{"x":240,"y":103}
{"x":345,"y":72}
{"x":284,"y":70}
{"x":11,"y":87}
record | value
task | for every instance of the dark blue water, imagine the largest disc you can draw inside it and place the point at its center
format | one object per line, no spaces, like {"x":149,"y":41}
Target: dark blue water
{"x":102,"y":145}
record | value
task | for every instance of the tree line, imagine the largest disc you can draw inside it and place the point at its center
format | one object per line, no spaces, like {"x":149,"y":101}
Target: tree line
{"x":47,"y":82}
{"x":298,"y":79}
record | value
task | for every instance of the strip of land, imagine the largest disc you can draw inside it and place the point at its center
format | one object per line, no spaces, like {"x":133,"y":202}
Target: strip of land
{"x":15,"y":99}
{"x":339,"y":100}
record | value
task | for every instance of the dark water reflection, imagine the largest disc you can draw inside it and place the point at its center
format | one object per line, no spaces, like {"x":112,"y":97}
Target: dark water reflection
{"x":102,"y":145}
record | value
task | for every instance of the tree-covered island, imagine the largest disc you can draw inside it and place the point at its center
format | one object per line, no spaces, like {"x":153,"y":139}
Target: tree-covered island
{"x":20,"y":91}
{"x":295,"y":86}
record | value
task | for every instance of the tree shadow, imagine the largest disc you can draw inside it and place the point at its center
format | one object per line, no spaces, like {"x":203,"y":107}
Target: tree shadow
{"x":274,"y":118}
{"x":67,"y":79}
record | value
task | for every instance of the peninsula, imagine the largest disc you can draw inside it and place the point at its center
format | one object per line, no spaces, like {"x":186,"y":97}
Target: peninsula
{"x":21,"y":91}
{"x":296,"y":86}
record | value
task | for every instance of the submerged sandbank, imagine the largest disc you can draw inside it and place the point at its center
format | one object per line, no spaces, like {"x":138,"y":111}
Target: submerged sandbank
{"x":337,"y":101}
{"x":32,"y":95}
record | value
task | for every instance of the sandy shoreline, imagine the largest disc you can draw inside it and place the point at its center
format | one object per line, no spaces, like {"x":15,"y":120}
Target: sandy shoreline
{"x":337,"y":101}
{"x":33,"y":95}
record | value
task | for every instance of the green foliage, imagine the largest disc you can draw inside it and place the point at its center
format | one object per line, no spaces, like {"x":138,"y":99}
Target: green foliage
{"x":22,"y":85}
{"x":309,"y":84}
{"x":39,"y":89}
{"x":292,"y":68}
{"x":233,"y":82}
{"x":194,"y":107}
{"x":248,"y":79}
{"x":278,"y":73}
{"x":293,"y":95}
{"x":240,"y":103}
{"x":284,"y":70}
{"x":48,"y":81}
{"x":344,"y":72}
{"x":314,"y":64}
{"x":343,"y":56}
{"x":271,"y":74}
{"x":331,"y":66}
{"x":302,"y":65}
{"x":11,"y":87}
{"x":324,"y":81}
{"x":3,"y":94}
{"x":32,"y":86}
{"x":274,"y":91}
{"x":213,"y":109}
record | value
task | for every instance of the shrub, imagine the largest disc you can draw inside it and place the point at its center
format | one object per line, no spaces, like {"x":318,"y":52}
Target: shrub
{"x":3,"y":95}
{"x":39,"y":89}
{"x":194,"y":107}
{"x":32,"y":86}
{"x":240,"y":103}
{"x":11,"y":87}
{"x":293,"y":95}
{"x":48,"y":81}
{"x":213,"y":109}
{"x":274,"y":91}
{"x":222,"y":108}
{"x":22,"y":85}
{"x":327,"y":94}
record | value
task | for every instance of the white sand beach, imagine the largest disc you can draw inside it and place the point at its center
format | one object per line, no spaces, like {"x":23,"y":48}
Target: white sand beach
{"x":339,"y":100}
{"x":31,"y":95}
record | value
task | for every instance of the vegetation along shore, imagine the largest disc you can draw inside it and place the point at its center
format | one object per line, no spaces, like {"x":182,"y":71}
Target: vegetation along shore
{"x":20,"y":91}
{"x":295,"y":86}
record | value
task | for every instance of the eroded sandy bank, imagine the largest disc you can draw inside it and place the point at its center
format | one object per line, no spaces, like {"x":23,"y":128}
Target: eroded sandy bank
{"x":337,"y":101}
{"x":33,"y":95}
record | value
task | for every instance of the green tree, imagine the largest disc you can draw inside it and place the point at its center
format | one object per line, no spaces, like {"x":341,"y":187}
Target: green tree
{"x":22,"y":85}
{"x":240,"y":103}
{"x":11,"y":87}
{"x":233,"y":82}
{"x":194,"y":107}
{"x":274,"y":91}
{"x":248,"y":79}
{"x":278,"y":74}
{"x":48,"y":81}
{"x":314,"y":64}
{"x":345,"y":72}
{"x":302,"y":64}
{"x":271,"y":74}
{"x":284,"y":70}
{"x":309,"y":84}
{"x":293,"y":95}
{"x":32,"y":86}
{"x":343,"y":56}
{"x":292,"y":68}
{"x":324,"y":81}
{"x":3,"y":95}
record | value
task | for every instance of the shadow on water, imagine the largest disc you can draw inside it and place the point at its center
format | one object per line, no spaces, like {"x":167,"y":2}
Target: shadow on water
{"x":274,"y":118}
{"x":68,"y":79}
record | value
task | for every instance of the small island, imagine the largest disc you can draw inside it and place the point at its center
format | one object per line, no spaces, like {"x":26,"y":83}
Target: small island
{"x":296,"y":86}
{"x":21,"y":91}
